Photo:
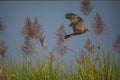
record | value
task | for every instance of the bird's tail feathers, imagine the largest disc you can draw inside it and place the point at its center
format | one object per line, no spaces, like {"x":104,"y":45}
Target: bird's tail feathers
{"x":69,"y":35}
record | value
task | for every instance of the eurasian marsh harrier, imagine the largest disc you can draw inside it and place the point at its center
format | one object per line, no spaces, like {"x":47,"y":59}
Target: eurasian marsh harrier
{"x":77,"y":25}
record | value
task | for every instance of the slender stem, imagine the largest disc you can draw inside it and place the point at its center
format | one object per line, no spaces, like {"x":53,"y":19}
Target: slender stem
{"x":90,"y":52}
{"x":89,"y":36}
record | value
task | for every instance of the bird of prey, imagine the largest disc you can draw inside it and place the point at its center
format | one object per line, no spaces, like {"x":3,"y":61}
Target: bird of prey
{"x":77,"y":25}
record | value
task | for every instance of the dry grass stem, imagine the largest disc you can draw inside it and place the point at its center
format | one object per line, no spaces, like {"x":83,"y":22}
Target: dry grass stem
{"x":52,"y":57}
{"x":3,"y":48}
{"x":116,"y":43}
{"x":82,"y":56}
{"x":27,"y":47}
{"x":1,"y":25}
{"x":89,"y":46}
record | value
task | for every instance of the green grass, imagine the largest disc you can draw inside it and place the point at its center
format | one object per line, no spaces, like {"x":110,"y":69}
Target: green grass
{"x":105,"y":69}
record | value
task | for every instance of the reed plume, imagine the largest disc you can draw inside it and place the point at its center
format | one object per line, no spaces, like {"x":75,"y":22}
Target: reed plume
{"x":28,"y":35}
{"x":38,"y":32}
{"x":98,"y":25}
{"x":98,"y":28}
{"x":28,"y":31}
{"x":33,"y":30}
{"x":61,"y":47}
{"x":86,"y":7}
{"x":60,"y":33}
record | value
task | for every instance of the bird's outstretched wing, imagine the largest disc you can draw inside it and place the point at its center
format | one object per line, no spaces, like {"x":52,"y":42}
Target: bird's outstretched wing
{"x":76,"y":21}
{"x":73,"y":17}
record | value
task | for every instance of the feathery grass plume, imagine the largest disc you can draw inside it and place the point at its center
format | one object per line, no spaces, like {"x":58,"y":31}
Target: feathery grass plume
{"x":3,"y":48}
{"x":36,"y":27}
{"x":32,"y":33}
{"x":33,"y":30}
{"x":39,"y":37}
{"x":38,"y":32}
{"x":28,"y":31}
{"x":60,"y":33}
{"x":116,"y":43}
{"x":28,"y":34}
{"x":61,"y":47}
{"x":86,"y":7}
{"x":98,"y":25}
{"x":89,"y":46}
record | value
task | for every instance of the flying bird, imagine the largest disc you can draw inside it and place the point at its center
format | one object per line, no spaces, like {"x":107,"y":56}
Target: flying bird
{"x":77,"y":24}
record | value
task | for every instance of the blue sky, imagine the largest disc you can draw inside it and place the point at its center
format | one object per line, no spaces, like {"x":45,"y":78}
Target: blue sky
{"x":51,"y":14}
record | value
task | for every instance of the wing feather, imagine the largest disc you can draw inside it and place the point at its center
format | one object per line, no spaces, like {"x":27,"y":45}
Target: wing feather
{"x":73,"y":17}
{"x":77,"y":23}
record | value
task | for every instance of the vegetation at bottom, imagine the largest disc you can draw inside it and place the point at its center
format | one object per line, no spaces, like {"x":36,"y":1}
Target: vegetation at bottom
{"x":105,"y":69}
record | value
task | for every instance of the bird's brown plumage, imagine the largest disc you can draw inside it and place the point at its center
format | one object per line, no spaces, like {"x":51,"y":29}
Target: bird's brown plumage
{"x":77,"y":24}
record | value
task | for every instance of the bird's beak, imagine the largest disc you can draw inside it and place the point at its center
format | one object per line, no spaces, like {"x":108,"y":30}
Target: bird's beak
{"x":88,"y":30}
